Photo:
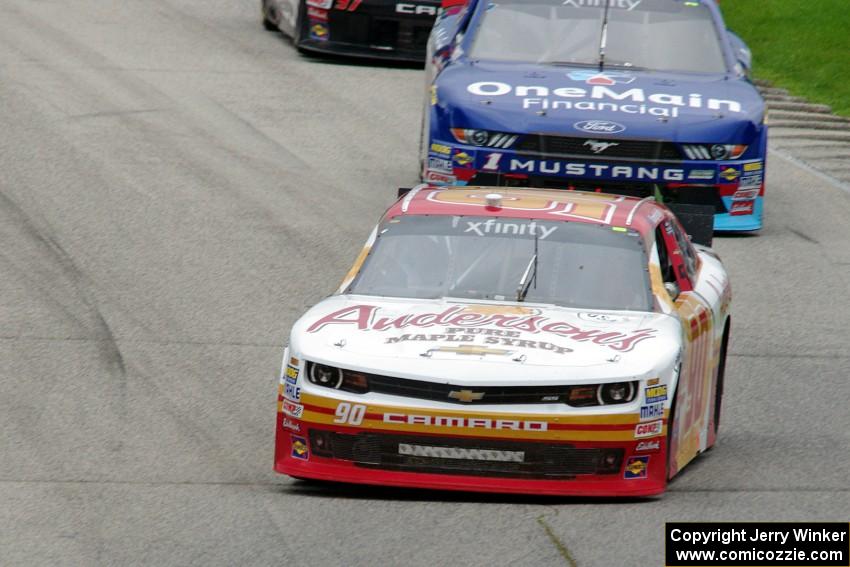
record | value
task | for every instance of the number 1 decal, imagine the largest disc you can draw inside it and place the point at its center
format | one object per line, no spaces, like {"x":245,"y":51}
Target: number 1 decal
{"x":492,"y":162}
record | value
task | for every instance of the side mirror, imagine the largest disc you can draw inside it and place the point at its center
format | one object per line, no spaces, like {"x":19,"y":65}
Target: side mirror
{"x":442,"y":35}
{"x":697,"y":220}
{"x":673,"y":289}
{"x":448,"y":30}
{"x":742,"y":51}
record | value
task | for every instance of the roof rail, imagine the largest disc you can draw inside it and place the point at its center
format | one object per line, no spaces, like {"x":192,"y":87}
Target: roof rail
{"x":409,"y":195}
{"x":631,"y":216}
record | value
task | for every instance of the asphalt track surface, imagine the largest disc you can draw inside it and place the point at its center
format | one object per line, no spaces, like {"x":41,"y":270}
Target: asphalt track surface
{"x":177,"y":186}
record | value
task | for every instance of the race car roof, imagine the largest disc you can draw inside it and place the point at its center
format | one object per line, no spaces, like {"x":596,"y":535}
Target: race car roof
{"x":642,"y":215}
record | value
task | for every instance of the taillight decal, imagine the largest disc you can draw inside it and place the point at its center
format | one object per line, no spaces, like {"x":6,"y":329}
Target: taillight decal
{"x":349,"y":5}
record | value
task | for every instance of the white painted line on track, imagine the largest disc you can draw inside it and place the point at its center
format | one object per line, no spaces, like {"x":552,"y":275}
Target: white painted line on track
{"x":814,"y":171}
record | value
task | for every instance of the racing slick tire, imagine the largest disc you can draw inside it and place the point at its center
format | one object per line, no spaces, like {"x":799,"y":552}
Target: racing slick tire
{"x":316,"y":482}
{"x":721,"y":374}
{"x":269,"y":19}
{"x":671,"y":427}
{"x":298,"y":32}
{"x":423,"y":146}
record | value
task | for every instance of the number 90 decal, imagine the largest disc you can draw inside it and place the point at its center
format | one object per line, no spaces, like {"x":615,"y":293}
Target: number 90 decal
{"x":350,"y":414}
{"x":585,"y":206}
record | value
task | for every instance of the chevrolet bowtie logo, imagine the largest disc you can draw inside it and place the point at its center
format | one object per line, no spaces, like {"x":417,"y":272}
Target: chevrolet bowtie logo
{"x":466,"y":396}
{"x":473,"y":350}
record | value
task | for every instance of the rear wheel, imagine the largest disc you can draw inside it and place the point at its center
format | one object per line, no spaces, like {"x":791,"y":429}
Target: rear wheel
{"x":721,"y":375}
{"x":270,"y":16}
{"x":298,"y":32}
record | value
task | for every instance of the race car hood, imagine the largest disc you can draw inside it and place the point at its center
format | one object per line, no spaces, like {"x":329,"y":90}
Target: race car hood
{"x":512,"y":344}
{"x":545,"y":99}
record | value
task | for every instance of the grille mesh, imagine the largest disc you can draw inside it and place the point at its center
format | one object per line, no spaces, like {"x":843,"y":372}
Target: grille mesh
{"x":644,"y":150}
{"x":540,"y":460}
{"x":454,"y":393}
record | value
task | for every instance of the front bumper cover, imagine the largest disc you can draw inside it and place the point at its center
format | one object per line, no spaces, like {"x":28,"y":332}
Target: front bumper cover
{"x":557,"y":454}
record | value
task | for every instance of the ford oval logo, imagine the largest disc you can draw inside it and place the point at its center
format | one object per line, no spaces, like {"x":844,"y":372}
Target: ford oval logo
{"x":599,"y":127}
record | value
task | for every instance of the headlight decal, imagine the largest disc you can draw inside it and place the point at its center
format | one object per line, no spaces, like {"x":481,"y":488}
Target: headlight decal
{"x":484,"y":138}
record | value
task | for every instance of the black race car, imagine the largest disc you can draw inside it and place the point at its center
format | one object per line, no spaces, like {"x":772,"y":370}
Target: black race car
{"x":384,"y":29}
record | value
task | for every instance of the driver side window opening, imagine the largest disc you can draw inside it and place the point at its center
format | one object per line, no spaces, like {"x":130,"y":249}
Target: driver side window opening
{"x":466,"y":15}
{"x":668,"y":269}
{"x":668,"y":273}
{"x":687,"y":249}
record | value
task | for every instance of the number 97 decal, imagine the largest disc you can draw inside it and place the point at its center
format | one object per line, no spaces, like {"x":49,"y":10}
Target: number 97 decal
{"x":350,"y":414}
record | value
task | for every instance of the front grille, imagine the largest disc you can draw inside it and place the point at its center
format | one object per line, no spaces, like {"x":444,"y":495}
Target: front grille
{"x":491,"y":394}
{"x":375,"y":31}
{"x":645,"y":150}
{"x":538,"y":460}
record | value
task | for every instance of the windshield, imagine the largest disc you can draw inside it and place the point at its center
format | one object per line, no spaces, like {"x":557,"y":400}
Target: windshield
{"x":661,"y":35}
{"x":576,"y":264}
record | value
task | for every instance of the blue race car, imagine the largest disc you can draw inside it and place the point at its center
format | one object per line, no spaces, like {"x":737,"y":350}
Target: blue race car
{"x":636,"y":97}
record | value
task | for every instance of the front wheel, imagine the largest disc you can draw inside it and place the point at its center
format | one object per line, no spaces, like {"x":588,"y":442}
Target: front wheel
{"x":670,"y":455}
{"x":424,"y":142}
{"x":671,"y":428}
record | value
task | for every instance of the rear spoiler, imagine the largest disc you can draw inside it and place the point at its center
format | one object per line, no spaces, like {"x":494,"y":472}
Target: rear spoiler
{"x":411,"y":191}
{"x":697,"y":220}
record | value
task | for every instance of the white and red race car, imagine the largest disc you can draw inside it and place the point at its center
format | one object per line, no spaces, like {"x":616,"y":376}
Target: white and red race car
{"x":504,"y":340}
